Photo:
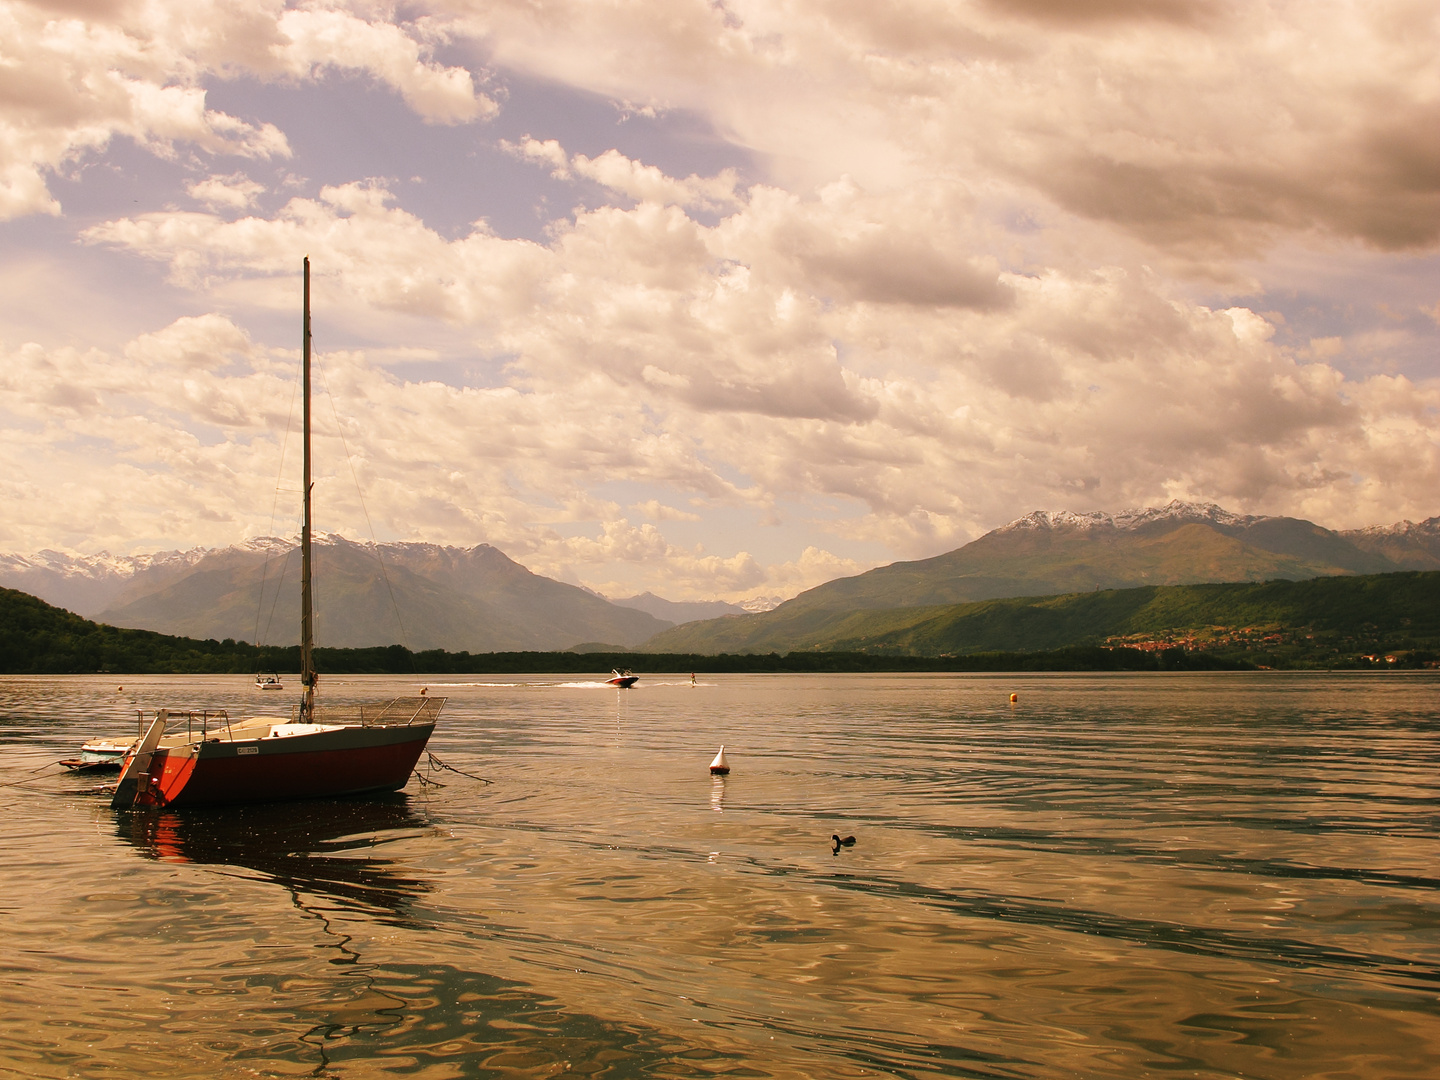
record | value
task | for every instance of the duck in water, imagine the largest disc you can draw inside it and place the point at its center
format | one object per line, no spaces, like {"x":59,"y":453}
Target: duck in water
{"x":848,"y":841}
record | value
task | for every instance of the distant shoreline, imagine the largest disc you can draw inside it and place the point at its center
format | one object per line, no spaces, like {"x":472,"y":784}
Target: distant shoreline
{"x":39,"y":639}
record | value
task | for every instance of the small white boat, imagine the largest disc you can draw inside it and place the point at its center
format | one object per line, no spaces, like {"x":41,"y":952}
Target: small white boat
{"x":624,"y":680}
{"x":270,"y":681}
{"x":100,"y":754}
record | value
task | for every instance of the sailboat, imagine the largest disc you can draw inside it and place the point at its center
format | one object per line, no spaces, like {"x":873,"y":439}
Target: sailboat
{"x":316,"y":752}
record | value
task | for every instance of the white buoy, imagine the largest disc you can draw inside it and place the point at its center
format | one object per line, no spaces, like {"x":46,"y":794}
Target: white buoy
{"x":720,"y":767}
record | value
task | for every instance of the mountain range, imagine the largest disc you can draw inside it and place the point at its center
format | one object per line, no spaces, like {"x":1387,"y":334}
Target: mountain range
{"x":1048,"y":554}
{"x":421,"y":595}
{"x":479,"y":600}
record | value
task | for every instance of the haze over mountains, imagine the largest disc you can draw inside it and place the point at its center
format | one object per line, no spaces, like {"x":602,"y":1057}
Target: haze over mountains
{"x":479,"y":600}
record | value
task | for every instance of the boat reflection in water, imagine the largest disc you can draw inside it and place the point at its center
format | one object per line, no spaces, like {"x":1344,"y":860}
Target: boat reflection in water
{"x":352,"y":1000}
{"x":329,"y":850}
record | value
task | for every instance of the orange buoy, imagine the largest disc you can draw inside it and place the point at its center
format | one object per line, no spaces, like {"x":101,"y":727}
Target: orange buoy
{"x":1014,"y":698}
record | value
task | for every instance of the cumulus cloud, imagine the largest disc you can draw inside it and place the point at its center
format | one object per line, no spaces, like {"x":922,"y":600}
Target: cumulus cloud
{"x":234,"y":192}
{"x":971,"y":272}
{"x":703,"y":359}
{"x":630,"y":178}
{"x":658,"y":511}
{"x":1205,"y":129}
{"x":77,"y":76}
{"x":317,"y":38}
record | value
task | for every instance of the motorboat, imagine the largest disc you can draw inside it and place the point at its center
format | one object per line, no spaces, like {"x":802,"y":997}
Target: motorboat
{"x":270,"y":681}
{"x":200,"y":757}
{"x":622,"y":679}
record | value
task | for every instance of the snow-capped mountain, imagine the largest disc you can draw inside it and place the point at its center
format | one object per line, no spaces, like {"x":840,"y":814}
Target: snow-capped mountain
{"x":1414,"y":545}
{"x":1049,"y":553}
{"x":1129,"y":520}
{"x":87,"y":584}
{"x":478,"y":599}
{"x":761,"y":603}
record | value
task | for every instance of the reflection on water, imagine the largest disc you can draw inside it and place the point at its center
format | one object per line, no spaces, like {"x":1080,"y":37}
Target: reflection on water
{"x":329,"y":849}
{"x":1215,"y":876}
{"x":325,"y":857}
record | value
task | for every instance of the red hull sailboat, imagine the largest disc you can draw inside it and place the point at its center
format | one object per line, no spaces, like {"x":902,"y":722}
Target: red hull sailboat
{"x":209,"y":761}
{"x":317,"y":752}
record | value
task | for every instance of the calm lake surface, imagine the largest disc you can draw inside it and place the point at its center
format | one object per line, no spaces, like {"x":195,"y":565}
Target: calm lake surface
{"x":1208,"y":875}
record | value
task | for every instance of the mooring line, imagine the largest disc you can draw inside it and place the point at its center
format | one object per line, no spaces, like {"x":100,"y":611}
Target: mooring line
{"x":30,"y":779}
{"x":436,"y":763}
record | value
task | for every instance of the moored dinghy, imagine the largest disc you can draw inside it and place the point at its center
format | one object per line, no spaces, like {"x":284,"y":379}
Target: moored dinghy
{"x":100,"y":754}
{"x":317,"y":752}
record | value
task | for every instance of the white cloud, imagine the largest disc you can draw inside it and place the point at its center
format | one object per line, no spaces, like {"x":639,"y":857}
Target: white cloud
{"x":968,"y":274}
{"x":549,"y":152}
{"x":74,"y":79}
{"x":642,"y":350}
{"x":1202,"y":129}
{"x":658,"y":511}
{"x":323,"y":37}
{"x":646,"y":183}
{"x":233,"y":192}
{"x":630,"y":178}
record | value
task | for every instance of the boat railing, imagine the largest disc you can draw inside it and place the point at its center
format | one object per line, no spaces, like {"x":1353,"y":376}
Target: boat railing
{"x":200,"y":719}
{"x":400,"y":712}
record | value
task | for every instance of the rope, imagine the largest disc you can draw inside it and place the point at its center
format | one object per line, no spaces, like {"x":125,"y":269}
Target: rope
{"x":32,"y":779}
{"x":436,"y":763}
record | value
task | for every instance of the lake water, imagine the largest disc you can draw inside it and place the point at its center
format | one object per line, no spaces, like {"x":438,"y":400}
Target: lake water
{"x":1200,"y":875}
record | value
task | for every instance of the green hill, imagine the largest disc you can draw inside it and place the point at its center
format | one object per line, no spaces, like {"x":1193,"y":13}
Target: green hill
{"x":37,"y":639}
{"x":1324,"y":622}
{"x":1041,"y":556}
{"x":1286,"y":620}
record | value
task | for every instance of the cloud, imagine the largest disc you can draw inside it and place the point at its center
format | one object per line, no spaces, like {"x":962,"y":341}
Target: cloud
{"x":80,"y":75}
{"x":658,"y":511}
{"x":234,"y":192}
{"x":632,"y":179}
{"x":815,"y":566}
{"x":969,"y":268}
{"x":646,"y":183}
{"x":317,"y":38}
{"x":1205,"y":130}
{"x":714,"y":362}
{"x":71,"y":86}
{"x":549,"y":152}
{"x":1085,"y":12}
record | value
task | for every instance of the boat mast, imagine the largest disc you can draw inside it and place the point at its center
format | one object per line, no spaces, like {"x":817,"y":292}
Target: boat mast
{"x":307,"y":612}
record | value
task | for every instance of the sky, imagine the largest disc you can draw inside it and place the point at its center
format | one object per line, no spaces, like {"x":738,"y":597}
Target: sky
{"x":713,"y":298}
